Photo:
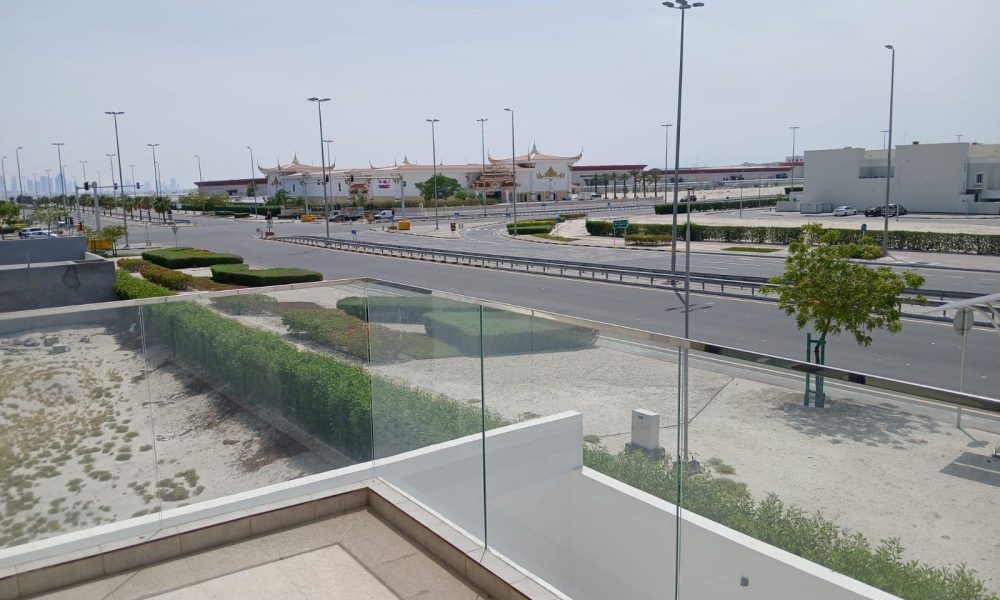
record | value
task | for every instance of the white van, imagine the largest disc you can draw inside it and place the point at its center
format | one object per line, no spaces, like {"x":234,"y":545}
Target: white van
{"x":384,"y":215}
{"x":28,"y":231}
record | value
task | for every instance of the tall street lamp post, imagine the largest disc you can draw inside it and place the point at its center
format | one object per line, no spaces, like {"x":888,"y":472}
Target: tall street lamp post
{"x":322,"y":157}
{"x":513,"y":168}
{"x":118,"y":150}
{"x":666,"y":166}
{"x":253,"y":185}
{"x":794,"y":129}
{"x":200,"y":177}
{"x":888,"y":156}
{"x":156,"y":180}
{"x":482,"y":138}
{"x":79,"y":207}
{"x":884,"y":132}
{"x":434,"y":176}
{"x":683,"y":6}
{"x":111,"y":161}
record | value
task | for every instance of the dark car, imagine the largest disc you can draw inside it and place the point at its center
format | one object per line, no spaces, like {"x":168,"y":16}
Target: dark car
{"x":875,"y":211}
{"x":896,"y":209}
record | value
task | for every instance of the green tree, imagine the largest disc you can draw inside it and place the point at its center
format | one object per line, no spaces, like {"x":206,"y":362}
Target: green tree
{"x":822,"y":287}
{"x":112,"y":233}
{"x":635,"y":182}
{"x":446,"y":187}
{"x":9,"y":213}
{"x":251,"y":190}
{"x":161,"y":205}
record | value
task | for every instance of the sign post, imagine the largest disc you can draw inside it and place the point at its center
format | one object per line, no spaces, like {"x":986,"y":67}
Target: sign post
{"x":964,"y":319}
{"x":619,"y":224}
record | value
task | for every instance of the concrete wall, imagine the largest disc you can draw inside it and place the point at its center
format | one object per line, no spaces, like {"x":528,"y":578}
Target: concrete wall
{"x":15,"y":252}
{"x":592,"y":537}
{"x":56,"y":284}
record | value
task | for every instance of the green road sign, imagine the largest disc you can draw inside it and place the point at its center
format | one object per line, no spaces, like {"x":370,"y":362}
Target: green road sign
{"x":620,"y":224}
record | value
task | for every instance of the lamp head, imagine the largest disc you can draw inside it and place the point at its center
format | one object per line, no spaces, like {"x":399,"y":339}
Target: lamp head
{"x":114,"y":112}
{"x":508,"y":110}
{"x":889,"y":47}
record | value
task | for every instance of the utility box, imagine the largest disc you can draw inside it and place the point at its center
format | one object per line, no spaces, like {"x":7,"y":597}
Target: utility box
{"x":646,"y":432}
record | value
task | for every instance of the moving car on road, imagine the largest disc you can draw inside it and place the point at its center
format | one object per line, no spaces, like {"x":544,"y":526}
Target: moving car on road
{"x":844,"y":211}
{"x":878,"y":211}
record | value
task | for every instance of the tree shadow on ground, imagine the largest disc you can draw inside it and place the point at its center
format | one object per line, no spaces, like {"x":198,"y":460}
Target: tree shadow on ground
{"x":849,"y":421}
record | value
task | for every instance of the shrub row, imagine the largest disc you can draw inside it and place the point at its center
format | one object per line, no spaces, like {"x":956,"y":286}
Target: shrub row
{"x":185,"y":258}
{"x":668,"y":209}
{"x":644,"y":239}
{"x":246,"y":304}
{"x":131,"y":288}
{"x":505,"y":333}
{"x":340,"y":331}
{"x":331,"y":399}
{"x":813,"y":537}
{"x":401,"y":309}
{"x":918,"y":241}
{"x":242,"y":275}
{"x":168,"y":278}
{"x":231,"y":208}
{"x":133,"y":265}
{"x":571,"y":216}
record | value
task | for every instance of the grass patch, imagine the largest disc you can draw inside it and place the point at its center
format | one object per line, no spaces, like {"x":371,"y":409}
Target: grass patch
{"x":750,"y":249}
{"x":719,"y":466}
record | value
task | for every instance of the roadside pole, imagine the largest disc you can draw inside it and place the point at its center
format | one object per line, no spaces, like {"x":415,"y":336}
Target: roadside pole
{"x":964,"y":319}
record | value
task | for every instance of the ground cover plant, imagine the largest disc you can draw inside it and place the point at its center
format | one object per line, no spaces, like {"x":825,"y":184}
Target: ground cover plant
{"x":131,"y":288}
{"x":645,"y":239}
{"x":554,"y":238}
{"x":185,"y":258}
{"x":132,"y":265}
{"x":241,"y":274}
{"x":168,"y":278}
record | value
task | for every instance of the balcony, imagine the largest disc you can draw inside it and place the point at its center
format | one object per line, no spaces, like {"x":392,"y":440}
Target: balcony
{"x":503,"y":452}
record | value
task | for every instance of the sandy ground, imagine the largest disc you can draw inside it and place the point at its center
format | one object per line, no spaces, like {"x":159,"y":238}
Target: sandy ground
{"x":88,"y":439}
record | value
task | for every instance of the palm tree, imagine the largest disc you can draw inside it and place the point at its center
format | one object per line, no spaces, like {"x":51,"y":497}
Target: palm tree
{"x":162,"y":205}
{"x":654,"y":175}
{"x":635,"y":182}
{"x":614,"y":184}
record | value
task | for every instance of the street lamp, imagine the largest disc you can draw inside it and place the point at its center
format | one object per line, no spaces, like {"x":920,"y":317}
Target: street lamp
{"x":322,"y":156}
{"x":62,"y":179}
{"x":959,"y":136}
{"x":513,"y":168}
{"x":683,"y":6}
{"x":482,"y":137}
{"x":156,"y":180}
{"x":888,"y":156}
{"x":253,"y":185}
{"x":111,"y":161}
{"x":794,"y":129}
{"x":20,"y":180}
{"x":200,"y":177}
{"x":884,"y":132}
{"x":666,"y":166}
{"x":434,"y":169}
{"x":118,"y":149}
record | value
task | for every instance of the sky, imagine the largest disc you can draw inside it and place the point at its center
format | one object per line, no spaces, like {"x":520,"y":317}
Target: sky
{"x":211,"y":77}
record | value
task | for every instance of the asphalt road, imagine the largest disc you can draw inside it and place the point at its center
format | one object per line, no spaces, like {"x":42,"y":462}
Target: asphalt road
{"x":924,"y":352}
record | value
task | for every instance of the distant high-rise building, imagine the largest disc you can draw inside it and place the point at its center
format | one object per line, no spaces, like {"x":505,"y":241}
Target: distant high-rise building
{"x":173,"y":184}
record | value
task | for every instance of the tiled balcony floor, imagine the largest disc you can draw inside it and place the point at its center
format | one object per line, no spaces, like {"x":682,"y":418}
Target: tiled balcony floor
{"x":350,"y":556}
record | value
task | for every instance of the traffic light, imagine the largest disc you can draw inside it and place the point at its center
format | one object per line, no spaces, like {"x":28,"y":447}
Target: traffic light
{"x":137,"y":186}
{"x":116,"y":186}
{"x":86,"y":185}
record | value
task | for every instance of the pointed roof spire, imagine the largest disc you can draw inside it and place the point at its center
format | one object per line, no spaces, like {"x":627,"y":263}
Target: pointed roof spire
{"x":534,"y":148}
{"x":406,"y":160}
{"x":295,"y":158}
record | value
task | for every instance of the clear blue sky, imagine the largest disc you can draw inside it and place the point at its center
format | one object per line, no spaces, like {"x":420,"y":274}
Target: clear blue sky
{"x":211,"y":77}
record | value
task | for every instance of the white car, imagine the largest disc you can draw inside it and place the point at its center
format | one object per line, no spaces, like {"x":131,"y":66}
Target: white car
{"x":844,"y":211}
{"x":34,"y":235}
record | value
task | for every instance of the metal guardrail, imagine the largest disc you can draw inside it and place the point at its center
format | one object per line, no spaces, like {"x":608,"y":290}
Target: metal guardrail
{"x":710,"y":283}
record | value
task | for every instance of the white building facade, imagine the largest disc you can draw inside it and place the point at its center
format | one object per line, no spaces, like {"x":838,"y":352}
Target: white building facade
{"x":931,"y":178}
{"x":539,"y":176}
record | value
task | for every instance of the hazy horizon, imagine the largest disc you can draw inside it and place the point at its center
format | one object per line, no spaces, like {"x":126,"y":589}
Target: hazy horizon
{"x":212,"y":78}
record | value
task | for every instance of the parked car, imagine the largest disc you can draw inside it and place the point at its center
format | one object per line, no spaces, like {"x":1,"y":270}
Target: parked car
{"x":27,"y":231}
{"x":875,"y":211}
{"x":844,"y":211}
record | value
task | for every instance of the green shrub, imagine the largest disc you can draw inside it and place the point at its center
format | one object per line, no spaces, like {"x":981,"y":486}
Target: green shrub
{"x":242,"y":275}
{"x":168,"y":278}
{"x":401,"y":309}
{"x":241,"y":215}
{"x":130,"y":288}
{"x":185,"y":258}
{"x":338,"y":330}
{"x":645,"y":239}
{"x":133,"y":265}
{"x":331,"y":399}
{"x":223,"y":213}
{"x":529,"y":229}
{"x":668,"y":208}
{"x":813,"y":537}
{"x":246,"y":304}
{"x":506,"y":333}
{"x":602,"y":228}
{"x":571,"y":216}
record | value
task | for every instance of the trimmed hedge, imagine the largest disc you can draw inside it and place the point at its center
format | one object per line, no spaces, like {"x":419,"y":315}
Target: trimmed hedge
{"x":506,"y":333}
{"x":185,"y":258}
{"x":523,"y":229}
{"x":331,"y":399}
{"x":168,"y":278}
{"x":242,"y":275}
{"x":246,"y":304}
{"x":571,"y":216}
{"x":133,"y":265}
{"x":811,"y":536}
{"x":401,"y":309}
{"x":645,"y":239}
{"x":338,"y":330}
{"x":130,"y":288}
{"x":916,"y":241}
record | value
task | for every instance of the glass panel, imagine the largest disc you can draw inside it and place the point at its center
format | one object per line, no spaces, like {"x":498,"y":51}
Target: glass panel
{"x":252,"y":389}
{"x":76,"y":438}
{"x":863,"y":485}
{"x":549,"y":507}
{"x":426,"y":390}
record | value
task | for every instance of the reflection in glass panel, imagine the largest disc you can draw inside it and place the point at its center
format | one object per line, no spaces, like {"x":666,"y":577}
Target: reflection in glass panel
{"x":76,"y":440}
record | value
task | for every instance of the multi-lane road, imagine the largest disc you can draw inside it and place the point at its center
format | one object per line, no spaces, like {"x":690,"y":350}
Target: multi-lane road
{"x":924,"y":352}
